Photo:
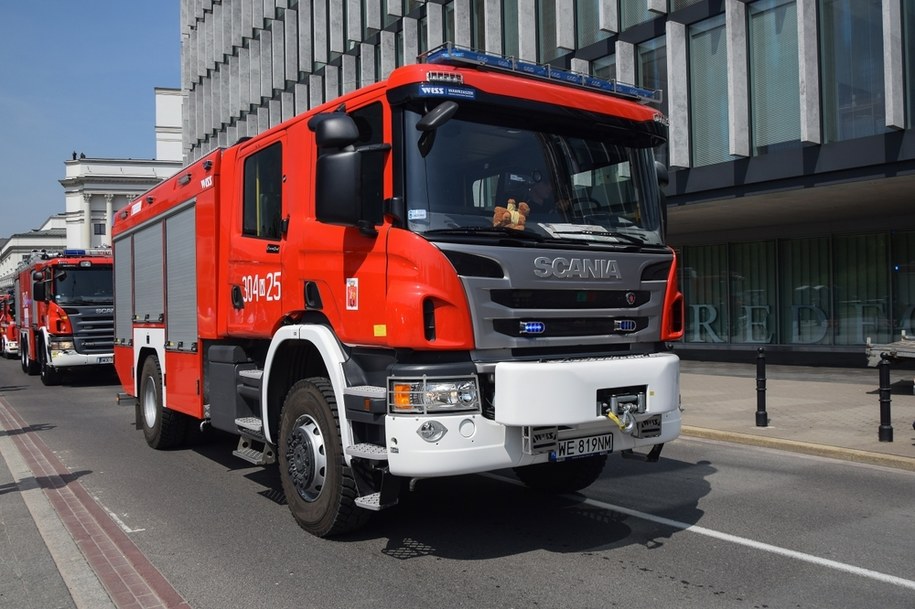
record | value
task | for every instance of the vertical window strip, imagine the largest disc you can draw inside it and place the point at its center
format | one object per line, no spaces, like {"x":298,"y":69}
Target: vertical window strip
{"x":708,"y":91}
{"x":774,"y":88}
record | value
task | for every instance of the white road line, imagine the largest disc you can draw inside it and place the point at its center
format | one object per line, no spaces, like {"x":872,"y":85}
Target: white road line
{"x":117,"y":520}
{"x":743,"y":541}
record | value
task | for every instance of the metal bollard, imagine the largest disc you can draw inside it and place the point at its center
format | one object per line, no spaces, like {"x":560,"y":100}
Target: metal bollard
{"x":885,"y":432}
{"x":762,"y":418}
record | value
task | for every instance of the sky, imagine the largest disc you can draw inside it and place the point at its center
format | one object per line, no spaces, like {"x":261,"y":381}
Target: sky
{"x":77,"y":75}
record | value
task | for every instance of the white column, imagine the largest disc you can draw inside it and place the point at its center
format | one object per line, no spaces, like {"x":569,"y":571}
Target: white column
{"x":109,"y":199}
{"x":86,"y":238}
{"x":738,"y":96}
{"x":893,"y":65}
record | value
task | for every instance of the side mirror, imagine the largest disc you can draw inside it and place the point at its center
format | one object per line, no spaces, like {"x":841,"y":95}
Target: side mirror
{"x":338,"y":188}
{"x":39,"y":292}
{"x":37,"y":276}
{"x":334,"y":130}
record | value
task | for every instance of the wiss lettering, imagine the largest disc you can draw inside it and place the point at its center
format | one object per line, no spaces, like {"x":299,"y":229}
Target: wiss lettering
{"x":576,"y":268}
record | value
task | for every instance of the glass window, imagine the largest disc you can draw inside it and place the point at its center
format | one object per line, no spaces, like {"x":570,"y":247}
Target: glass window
{"x":708,"y":90}
{"x":752,"y":292}
{"x":851,"y":55}
{"x":546,"y":30}
{"x":862,"y":289}
{"x":448,"y":23}
{"x":774,"y":89}
{"x":908,"y":39}
{"x":634,"y":12}
{"x":605,"y":67}
{"x":903,"y":269}
{"x":652,"y":73}
{"x":477,"y":24}
{"x":676,"y":5}
{"x":805,"y":308}
{"x":705,"y":291}
{"x":99,"y":228}
{"x":263,"y":193}
{"x":510,"y":28}
{"x":587,"y":21}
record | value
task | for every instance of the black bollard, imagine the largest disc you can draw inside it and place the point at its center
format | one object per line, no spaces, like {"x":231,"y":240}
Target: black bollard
{"x":762,"y":419}
{"x":885,"y":432}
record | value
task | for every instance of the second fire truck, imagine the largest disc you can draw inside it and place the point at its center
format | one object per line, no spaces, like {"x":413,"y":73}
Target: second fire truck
{"x":65,"y":312}
{"x":9,"y":331}
{"x":459,"y":269}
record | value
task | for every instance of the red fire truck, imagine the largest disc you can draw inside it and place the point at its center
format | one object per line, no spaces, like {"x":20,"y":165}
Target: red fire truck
{"x":456,"y":270}
{"x":9,"y":332}
{"x":66,"y":312}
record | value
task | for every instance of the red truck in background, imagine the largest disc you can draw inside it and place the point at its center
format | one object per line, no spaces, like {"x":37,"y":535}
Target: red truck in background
{"x":9,"y":331}
{"x":65,"y":312}
{"x":457,"y":270}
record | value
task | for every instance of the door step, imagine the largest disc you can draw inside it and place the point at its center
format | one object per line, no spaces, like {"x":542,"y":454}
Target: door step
{"x":373,"y":502}
{"x":373,"y":452}
{"x":249,"y":453}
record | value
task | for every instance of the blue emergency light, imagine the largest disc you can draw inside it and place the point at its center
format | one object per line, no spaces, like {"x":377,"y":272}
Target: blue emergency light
{"x":449,"y":54}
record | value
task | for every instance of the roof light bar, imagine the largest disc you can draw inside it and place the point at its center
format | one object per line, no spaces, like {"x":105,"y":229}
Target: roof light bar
{"x":449,"y":54}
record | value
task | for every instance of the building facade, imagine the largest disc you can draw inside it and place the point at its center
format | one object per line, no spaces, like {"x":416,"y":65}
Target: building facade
{"x":50,"y":236}
{"x":791,"y":148}
{"x":96,"y":188}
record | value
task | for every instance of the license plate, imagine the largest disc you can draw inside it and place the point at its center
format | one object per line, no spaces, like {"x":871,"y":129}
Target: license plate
{"x":580,"y":447}
{"x":105,"y":360}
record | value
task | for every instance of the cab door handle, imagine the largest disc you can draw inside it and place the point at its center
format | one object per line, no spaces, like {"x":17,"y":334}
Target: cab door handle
{"x":237,"y":300}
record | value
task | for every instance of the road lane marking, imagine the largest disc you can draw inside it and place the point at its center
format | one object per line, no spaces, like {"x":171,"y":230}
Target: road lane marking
{"x":735,"y":539}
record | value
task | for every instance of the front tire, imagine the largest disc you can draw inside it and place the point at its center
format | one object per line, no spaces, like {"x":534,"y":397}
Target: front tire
{"x":162,"y":428}
{"x":563,"y":477}
{"x":319,"y":486}
{"x":50,"y":376}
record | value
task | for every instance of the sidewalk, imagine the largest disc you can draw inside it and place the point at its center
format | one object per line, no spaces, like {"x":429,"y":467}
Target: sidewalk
{"x":831,"y":412}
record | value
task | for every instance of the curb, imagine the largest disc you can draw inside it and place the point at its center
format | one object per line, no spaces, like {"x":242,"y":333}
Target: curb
{"x":807,"y":448}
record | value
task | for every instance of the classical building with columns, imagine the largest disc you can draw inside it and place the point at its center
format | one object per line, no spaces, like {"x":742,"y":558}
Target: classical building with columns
{"x":791,"y":151}
{"x":96,"y":188}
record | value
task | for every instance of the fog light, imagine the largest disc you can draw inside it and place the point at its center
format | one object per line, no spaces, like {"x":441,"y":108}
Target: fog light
{"x":432,"y":431}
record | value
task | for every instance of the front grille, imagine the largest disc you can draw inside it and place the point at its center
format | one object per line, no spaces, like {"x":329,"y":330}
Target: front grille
{"x":93,"y":332}
{"x":555,"y":327}
{"x":570,"y":299}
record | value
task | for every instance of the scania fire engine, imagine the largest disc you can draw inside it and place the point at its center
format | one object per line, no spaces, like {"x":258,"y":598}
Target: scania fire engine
{"x":9,"y":332}
{"x":66,"y":312}
{"x":456,"y":270}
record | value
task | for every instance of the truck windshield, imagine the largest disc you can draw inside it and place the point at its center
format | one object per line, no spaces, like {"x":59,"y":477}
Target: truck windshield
{"x":483,"y":172}
{"x":82,"y":286}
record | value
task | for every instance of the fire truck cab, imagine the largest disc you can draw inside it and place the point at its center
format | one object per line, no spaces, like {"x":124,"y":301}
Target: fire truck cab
{"x":457,"y":270}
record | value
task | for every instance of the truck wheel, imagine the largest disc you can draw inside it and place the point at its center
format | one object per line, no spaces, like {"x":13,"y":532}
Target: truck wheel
{"x":562,"y":477}
{"x":28,"y":366}
{"x":49,"y":375}
{"x":319,"y":486}
{"x":162,"y":428}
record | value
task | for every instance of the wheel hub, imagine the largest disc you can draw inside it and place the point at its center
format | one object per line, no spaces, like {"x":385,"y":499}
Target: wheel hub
{"x":150,"y":404}
{"x":306,"y":457}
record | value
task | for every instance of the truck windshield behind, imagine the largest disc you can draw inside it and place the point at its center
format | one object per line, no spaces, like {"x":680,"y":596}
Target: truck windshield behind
{"x":83,"y":286}
{"x":583,"y":184}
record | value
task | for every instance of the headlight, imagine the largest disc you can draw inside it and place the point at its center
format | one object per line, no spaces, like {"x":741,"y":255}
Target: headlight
{"x":61,"y":345}
{"x":432,"y":395}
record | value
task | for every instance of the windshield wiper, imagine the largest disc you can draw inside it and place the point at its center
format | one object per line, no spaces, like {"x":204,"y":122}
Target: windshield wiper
{"x":497,"y":231}
{"x":601,"y":233}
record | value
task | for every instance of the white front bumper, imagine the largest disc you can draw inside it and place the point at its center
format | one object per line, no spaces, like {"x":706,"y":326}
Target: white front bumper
{"x":535,"y":394}
{"x":67,"y":359}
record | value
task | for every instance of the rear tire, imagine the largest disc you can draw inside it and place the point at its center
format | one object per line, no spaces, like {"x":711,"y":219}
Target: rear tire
{"x":28,"y":366}
{"x":319,"y":486}
{"x":162,"y":428}
{"x":562,"y":477}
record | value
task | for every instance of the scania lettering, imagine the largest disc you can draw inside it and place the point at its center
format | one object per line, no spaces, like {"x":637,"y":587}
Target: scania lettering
{"x":347,"y":293}
{"x":65,"y":303}
{"x":579,"y":268}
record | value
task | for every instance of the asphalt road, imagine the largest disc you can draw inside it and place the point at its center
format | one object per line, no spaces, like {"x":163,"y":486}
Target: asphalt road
{"x":710,"y":525}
